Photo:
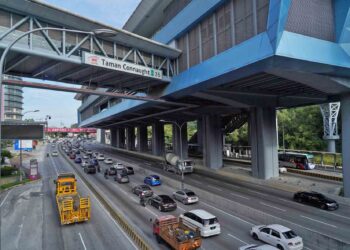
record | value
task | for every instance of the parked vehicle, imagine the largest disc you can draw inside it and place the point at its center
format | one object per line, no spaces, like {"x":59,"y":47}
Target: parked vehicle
{"x":144,"y":190}
{"x":185,"y":238}
{"x":296,"y":160}
{"x":207,"y":223}
{"x":111,"y":171}
{"x":78,"y":160}
{"x":185,"y":196}
{"x":108,"y":161}
{"x":256,"y":247}
{"x":174,"y":164}
{"x":163,"y":203}
{"x":316,"y":199}
{"x":121,"y":177}
{"x":129,"y":170}
{"x":54,"y":153}
{"x":100,"y":157}
{"x":278,"y":236}
{"x":152,"y":180}
{"x":90,"y":169}
{"x":71,"y":207}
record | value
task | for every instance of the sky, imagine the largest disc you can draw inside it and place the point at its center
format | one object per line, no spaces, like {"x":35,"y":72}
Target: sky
{"x":60,"y":105}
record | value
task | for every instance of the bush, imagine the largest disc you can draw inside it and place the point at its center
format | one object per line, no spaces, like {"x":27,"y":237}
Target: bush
{"x":7,"y":170}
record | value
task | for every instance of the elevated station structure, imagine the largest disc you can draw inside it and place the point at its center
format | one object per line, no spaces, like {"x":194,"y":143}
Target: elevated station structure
{"x":211,"y":61}
{"x":238,"y":57}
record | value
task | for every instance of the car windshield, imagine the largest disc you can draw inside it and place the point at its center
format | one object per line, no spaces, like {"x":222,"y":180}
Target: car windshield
{"x":145,"y":187}
{"x":166,"y":199}
{"x":190,"y":193}
{"x":289,"y":234}
{"x":210,"y":221}
{"x":155,"y":177}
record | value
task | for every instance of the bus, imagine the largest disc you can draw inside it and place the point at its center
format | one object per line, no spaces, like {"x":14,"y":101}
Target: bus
{"x":296,"y":160}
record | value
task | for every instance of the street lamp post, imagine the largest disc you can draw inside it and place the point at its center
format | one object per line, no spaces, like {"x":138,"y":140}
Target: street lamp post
{"x":181,"y":156}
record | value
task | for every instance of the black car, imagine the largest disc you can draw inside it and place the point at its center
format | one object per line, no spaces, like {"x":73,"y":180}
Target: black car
{"x":129,"y":170}
{"x":316,"y":199}
{"x":145,"y":190}
{"x":90,"y":169}
{"x":163,"y":203}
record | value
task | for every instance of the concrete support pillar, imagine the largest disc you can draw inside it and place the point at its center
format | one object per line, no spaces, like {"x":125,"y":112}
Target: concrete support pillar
{"x":113,"y":137}
{"x":177,"y":146}
{"x":120,"y":137}
{"x":200,"y":136}
{"x":212,"y":141}
{"x":158,"y":139}
{"x":263,"y":141}
{"x":345,"y":138}
{"x":130,"y":138}
{"x":142,"y":138}
{"x":103,"y":136}
{"x":331,"y":146}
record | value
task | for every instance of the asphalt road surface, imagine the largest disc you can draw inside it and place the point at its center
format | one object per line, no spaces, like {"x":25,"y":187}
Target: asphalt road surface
{"x":30,"y":220}
{"x":234,"y":228}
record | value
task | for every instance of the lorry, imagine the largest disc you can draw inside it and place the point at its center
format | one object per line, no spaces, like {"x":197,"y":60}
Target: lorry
{"x":71,"y":207}
{"x":176,"y":234}
{"x":173,"y":163}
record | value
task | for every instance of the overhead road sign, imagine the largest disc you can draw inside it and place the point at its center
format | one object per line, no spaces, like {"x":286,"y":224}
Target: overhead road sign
{"x":119,"y":65}
{"x":22,"y":130}
{"x":70,"y":130}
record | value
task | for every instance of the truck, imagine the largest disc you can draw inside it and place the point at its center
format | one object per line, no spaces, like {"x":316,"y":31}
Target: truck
{"x":173,"y":163}
{"x":176,"y":234}
{"x":71,"y":207}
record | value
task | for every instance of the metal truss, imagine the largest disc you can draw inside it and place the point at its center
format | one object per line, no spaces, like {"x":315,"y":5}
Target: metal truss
{"x":330,"y":113}
{"x":68,"y":47}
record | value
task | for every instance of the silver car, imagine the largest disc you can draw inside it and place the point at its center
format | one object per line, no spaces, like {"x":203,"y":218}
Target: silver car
{"x":185,"y":196}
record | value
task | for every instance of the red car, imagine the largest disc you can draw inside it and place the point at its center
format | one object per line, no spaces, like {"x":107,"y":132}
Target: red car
{"x":72,"y":156}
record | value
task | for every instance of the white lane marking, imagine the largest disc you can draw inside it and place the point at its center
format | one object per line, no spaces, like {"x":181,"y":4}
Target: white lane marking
{"x":237,"y":218}
{"x":3,"y":201}
{"x":237,"y":239}
{"x":54,"y":165}
{"x":82,"y":241}
{"x":198,"y":182}
{"x":256,"y":192}
{"x":219,"y":189}
{"x":325,"y":212}
{"x":318,"y":221}
{"x":243,"y":197}
{"x":307,"y":248}
{"x":262,"y":203}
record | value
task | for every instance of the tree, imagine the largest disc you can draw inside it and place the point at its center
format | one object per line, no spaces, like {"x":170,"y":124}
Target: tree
{"x":5,"y":153}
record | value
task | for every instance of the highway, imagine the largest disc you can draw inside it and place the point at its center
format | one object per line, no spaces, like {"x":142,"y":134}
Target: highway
{"x":278,"y":203}
{"x":30,"y":220}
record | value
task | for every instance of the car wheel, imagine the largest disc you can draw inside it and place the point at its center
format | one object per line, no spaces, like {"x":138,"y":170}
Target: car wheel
{"x":255,"y":236}
{"x":159,"y":239}
{"x":280,"y":247}
{"x":299,"y":200}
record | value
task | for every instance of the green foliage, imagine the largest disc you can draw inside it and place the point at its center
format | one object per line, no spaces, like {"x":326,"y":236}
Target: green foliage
{"x":5,"y":153}
{"x":301,"y":128}
{"x":239,"y":137}
{"x":7,"y":170}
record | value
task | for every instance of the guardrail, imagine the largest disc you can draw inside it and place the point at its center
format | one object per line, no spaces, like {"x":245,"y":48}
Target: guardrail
{"x":118,"y":217}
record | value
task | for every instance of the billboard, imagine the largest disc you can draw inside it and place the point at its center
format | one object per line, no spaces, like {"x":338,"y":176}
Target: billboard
{"x":21,"y":131}
{"x":70,"y":130}
{"x":23,"y":144}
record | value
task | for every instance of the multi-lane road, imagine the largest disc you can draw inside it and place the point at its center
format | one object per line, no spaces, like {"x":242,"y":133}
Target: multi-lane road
{"x":35,"y":225}
{"x":29,"y":217}
{"x":335,"y":224}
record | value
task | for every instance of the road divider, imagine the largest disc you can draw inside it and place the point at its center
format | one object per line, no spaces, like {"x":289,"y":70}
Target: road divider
{"x":118,"y":217}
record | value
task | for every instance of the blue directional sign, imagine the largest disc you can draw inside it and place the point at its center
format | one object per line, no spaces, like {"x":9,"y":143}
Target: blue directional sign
{"x":26,"y":145}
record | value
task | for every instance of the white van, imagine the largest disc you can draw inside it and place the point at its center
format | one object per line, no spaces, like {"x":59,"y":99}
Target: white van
{"x":207,"y":223}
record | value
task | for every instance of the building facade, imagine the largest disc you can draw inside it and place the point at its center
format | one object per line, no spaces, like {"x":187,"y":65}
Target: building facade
{"x":13,"y":103}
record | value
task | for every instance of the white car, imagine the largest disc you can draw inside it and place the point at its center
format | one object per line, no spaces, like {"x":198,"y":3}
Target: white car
{"x":100,"y":157}
{"x":278,"y":236}
{"x":84,"y":163}
{"x":256,"y":247}
{"x":108,"y":161}
{"x":54,"y":153}
{"x":282,"y":170}
{"x":85,"y":157}
{"x":89,"y":152}
{"x":208,"y":224}
{"x":185,"y":196}
{"x":118,"y":166}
